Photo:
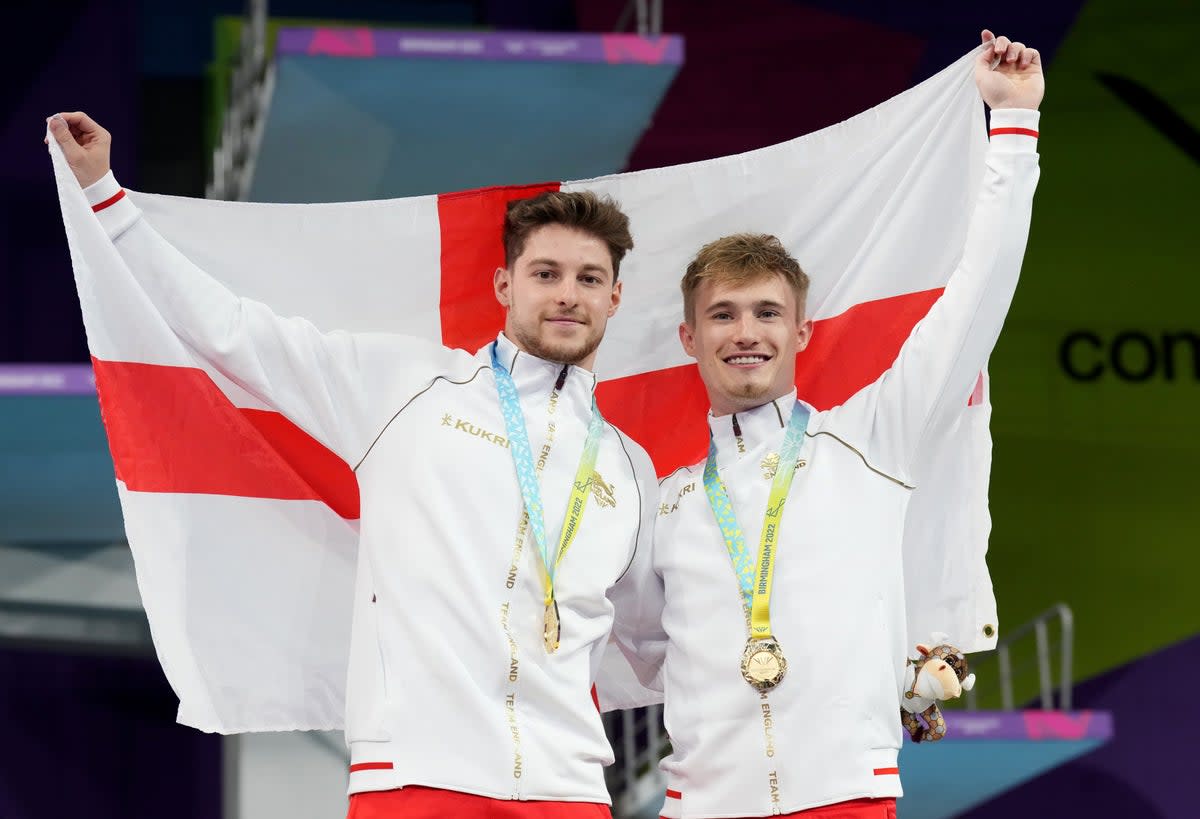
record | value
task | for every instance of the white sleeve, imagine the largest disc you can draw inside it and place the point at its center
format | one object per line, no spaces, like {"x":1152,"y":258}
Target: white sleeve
{"x":336,"y":386}
{"x":638,"y":600}
{"x":940,"y":362}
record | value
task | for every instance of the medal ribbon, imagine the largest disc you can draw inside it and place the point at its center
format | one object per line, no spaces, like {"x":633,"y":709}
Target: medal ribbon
{"x":518,"y":440}
{"x":755,"y":578}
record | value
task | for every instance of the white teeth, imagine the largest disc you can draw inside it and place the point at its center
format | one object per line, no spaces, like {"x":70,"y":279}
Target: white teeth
{"x":747,"y":359}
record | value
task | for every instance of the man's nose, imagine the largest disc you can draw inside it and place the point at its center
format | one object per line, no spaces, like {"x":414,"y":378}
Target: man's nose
{"x":567,"y":293}
{"x":745,"y":330}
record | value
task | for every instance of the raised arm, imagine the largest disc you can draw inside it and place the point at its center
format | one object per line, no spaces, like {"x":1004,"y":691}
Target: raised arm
{"x":332,"y":385}
{"x":939,"y":364}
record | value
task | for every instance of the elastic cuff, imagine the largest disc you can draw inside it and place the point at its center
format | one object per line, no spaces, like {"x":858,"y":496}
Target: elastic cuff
{"x":111,"y":205}
{"x":101,"y":190}
{"x":1014,"y":130}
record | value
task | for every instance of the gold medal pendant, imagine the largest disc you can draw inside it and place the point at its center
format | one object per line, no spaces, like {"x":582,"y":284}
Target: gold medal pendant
{"x":550,"y":628}
{"x":763,"y":664}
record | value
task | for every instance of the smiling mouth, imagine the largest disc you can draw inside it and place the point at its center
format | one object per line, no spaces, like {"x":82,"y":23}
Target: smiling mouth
{"x":747,"y":359}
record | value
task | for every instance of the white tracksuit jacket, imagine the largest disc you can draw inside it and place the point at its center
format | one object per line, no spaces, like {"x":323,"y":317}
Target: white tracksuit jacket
{"x":831,"y":731}
{"x":449,"y":684}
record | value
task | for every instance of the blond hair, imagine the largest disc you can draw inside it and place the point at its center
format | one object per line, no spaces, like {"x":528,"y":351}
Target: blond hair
{"x":740,"y":259}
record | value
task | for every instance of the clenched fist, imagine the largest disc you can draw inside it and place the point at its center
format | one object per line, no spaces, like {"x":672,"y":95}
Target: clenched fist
{"x":84,"y":143}
{"x":1009,"y":74}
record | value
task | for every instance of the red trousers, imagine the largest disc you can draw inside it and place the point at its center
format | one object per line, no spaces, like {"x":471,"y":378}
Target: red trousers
{"x":855,"y":809}
{"x":416,"y":802}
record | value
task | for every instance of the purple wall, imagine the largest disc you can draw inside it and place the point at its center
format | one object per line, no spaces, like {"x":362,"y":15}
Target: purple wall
{"x":95,"y":737}
{"x":63,"y":55}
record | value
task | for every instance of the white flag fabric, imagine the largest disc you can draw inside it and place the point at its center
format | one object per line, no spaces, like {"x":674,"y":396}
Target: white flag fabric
{"x":244,"y":527}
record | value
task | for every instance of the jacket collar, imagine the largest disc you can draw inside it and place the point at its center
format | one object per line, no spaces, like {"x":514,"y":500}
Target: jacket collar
{"x":536,"y":377}
{"x":738,"y":434}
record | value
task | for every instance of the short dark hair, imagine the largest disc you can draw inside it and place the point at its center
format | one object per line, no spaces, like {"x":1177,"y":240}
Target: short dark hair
{"x":599,"y":216}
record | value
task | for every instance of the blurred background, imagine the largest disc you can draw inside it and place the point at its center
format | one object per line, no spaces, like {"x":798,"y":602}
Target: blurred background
{"x":1085,"y":709}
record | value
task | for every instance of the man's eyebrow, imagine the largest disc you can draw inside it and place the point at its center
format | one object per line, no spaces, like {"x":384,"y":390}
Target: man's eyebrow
{"x":598,"y":268}
{"x":727,"y":304}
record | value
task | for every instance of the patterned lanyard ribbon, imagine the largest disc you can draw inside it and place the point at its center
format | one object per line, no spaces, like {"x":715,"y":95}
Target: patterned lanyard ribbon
{"x":522,"y":454}
{"x":755,"y":578}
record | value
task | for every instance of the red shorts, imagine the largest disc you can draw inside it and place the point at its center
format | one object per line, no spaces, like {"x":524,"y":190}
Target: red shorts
{"x":854,"y":809}
{"x":416,"y":802}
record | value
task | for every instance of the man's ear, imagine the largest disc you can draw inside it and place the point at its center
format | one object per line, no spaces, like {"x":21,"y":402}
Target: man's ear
{"x":687,"y":338}
{"x":616,"y":299}
{"x":502,"y":284}
{"x":804,"y":332}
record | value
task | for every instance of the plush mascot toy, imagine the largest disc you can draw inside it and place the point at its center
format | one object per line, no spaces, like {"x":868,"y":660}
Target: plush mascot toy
{"x":940,"y":673}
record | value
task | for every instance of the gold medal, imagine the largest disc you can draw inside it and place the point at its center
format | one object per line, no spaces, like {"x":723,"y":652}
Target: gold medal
{"x":763,"y":664}
{"x":550,"y":628}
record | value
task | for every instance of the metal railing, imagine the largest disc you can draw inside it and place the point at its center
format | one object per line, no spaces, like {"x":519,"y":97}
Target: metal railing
{"x":648,"y":16}
{"x":1007,"y":675}
{"x":251,"y":83}
{"x":639,"y":741}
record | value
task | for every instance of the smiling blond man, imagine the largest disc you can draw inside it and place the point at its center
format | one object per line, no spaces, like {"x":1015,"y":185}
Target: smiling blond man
{"x":786,"y":622}
{"x":504,"y":525}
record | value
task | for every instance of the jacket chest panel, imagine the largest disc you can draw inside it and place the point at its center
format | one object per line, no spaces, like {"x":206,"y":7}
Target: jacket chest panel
{"x":839,"y":540}
{"x":464,"y":496}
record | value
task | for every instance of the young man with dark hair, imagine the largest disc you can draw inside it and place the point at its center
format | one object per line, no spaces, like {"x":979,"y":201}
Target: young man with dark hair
{"x":538,"y":234}
{"x":494,"y":560}
{"x":786,"y":623}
